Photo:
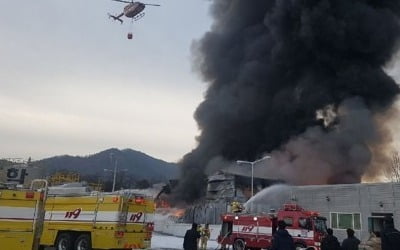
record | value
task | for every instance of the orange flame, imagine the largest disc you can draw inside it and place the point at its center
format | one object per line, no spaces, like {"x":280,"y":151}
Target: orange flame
{"x":178,"y":213}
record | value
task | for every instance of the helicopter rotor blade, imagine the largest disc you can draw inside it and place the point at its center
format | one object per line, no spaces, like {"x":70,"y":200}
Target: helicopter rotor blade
{"x":150,"y":4}
{"x":122,"y":1}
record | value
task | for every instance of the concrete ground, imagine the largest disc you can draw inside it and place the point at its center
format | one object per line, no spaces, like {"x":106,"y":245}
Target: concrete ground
{"x":160,"y":241}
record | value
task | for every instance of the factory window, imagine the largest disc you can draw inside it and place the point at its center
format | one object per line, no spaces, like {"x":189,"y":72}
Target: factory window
{"x":346,"y":220}
{"x":334,"y":220}
{"x":357,"y":221}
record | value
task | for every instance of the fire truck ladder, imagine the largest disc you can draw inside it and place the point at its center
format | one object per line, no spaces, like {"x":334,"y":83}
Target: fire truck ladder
{"x":100,"y":199}
{"x":39,"y":212}
{"x":123,"y":215}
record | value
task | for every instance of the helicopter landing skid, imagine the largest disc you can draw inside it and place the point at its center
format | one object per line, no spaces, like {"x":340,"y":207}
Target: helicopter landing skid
{"x":139,"y":16}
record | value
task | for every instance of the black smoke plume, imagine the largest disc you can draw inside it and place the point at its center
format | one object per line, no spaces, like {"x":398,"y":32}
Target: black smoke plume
{"x":275,"y":66}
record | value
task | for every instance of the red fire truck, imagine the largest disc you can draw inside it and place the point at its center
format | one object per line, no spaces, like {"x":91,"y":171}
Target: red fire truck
{"x":255,"y":231}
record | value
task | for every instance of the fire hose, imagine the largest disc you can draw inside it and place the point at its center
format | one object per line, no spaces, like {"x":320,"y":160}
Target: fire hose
{"x":223,"y":238}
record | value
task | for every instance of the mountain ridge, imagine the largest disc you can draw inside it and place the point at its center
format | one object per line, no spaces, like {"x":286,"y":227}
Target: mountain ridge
{"x":132,"y":163}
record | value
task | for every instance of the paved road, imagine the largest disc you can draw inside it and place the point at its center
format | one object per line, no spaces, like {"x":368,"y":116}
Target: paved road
{"x":160,"y":241}
{"x":171,"y":242}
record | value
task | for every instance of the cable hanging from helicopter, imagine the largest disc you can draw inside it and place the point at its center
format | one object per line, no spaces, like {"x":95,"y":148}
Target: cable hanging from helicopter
{"x":133,"y":10}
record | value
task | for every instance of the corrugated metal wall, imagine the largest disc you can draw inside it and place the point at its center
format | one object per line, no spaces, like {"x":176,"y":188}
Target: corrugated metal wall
{"x":366,"y":199}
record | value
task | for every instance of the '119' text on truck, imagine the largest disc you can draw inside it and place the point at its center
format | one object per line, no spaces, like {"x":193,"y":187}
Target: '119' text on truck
{"x":30,"y":219}
{"x":255,"y":231}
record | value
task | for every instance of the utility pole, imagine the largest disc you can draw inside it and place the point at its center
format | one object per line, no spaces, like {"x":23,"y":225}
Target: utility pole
{"x":252,"y":163}
{"x":114,"y":171}
{"x":115,"y":175}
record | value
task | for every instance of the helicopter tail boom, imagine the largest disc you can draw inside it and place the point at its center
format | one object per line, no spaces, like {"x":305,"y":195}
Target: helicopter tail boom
{"x":116,"y":17}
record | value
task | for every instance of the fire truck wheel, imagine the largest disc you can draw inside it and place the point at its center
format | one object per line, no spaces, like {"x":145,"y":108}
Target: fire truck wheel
{"x":83,"y":242}
{"x":64,"y":242}
{"x":239,"y":245}
{"x":300,"y":246}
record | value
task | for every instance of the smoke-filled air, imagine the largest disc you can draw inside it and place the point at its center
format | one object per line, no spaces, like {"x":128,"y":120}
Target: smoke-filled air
{"x":300,"y":80}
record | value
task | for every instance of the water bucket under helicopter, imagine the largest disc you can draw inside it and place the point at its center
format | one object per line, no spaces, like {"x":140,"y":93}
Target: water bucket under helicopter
{"x":130,"y":35}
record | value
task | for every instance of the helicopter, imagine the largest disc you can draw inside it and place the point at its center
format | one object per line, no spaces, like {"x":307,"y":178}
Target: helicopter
{"x":133,"y":10}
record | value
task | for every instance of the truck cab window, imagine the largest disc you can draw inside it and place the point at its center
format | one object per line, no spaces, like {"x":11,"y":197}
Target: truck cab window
{"x":288,"y":221}
{"x":305,"y":223}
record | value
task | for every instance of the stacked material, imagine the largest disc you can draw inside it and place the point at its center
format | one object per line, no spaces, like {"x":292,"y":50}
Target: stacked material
{"x":75,"y":188}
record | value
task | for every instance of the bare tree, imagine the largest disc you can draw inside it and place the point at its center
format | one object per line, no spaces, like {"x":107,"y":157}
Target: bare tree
{"x":393,"y":171}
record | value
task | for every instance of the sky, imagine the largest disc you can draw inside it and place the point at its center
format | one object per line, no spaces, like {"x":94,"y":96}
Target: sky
{"x":72,"y":83}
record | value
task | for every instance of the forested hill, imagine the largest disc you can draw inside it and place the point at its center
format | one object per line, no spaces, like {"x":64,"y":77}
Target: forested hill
{"x":134,"y":164}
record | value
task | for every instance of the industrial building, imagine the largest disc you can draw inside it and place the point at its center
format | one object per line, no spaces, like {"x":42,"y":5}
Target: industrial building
{"x":361,"y":207}
{"x":228,"y":186}
{"x":20,"y":174}
{"x":357,"y":206}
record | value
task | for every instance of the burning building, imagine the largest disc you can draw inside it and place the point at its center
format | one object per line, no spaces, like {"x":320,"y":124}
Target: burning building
{"x":229,"y":186}
{"x":302,"y":81}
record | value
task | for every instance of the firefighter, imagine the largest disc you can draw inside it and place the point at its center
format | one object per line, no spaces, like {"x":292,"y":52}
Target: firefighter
{"x":191,"y":238}
{"x":204,"y":236}
{"x":390,"y":236}
{"x":236,"y":207}
{"x":330,"y":242}
{"x":282,"y":239}
{"x":351,"y":242}
{"x":199,"y":229}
